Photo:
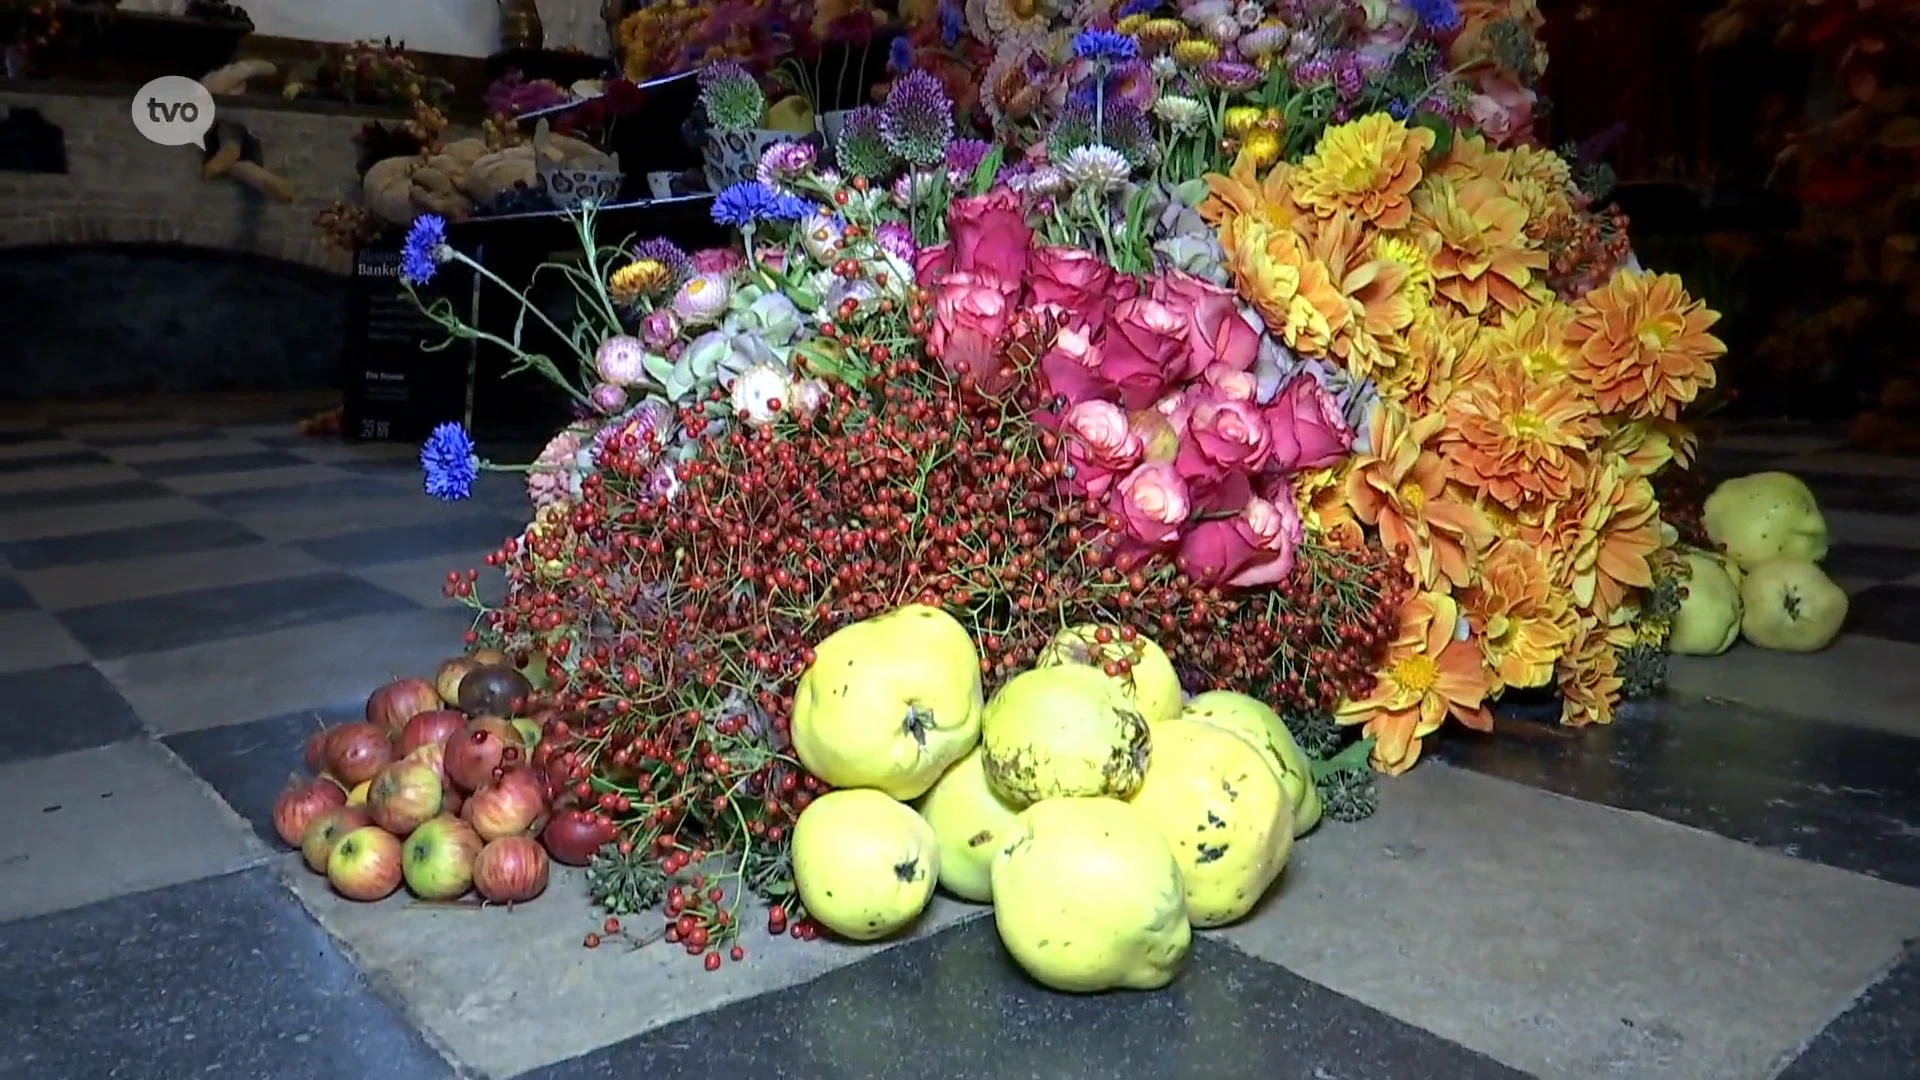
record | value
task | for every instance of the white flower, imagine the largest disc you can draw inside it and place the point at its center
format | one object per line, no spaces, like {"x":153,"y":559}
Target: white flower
{"x":820,"y":235}
{"x":759,"y":393}
{"x":1182,"y":114}
{"x":1204,"y":12}
{"x":1249,"y":13}
{"x":1095,"y":169}
{"x":1004,"y":17}
{"x":1165,"y":68}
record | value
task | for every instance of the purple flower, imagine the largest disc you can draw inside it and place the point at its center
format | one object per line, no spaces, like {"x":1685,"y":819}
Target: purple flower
{"x":449,"y":462}
{"x":1440,"y":16}
{"x":899,"y":55}
{"x":424,"y":249}
{"x":667,"y":254}
{"x":965,"y":155}
{"x":896,"y":239}
{"x":952,"y":24}
{"x":917,"y":120}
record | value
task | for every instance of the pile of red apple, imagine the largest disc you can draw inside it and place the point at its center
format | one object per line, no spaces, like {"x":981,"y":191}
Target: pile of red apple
{"x":435,"y":789}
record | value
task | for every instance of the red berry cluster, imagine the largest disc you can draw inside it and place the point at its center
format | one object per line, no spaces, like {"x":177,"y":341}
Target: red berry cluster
{"x":1584,"y":248}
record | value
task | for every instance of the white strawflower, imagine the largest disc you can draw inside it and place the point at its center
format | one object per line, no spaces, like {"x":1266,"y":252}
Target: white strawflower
{"x":1095,"y":169}
{"x":1182,"y":114}
{"x":760,"y":393}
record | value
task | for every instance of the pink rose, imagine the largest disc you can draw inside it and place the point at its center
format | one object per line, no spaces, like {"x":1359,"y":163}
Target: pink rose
{"x":1254,"y":547}
{"x":930,"y":262}
{"x":1502,"y":109}
{"x":1076,"y":280}
{"x":1152,"y":504}
{"x":1216,"y":331}
{"x":1306,"y":427}
{"x":1100,"y":446}
{"x":990,"y":233}
{"x":1143,"y":351}
{"x":771,"y":257}
{"x":1223,"y":436}
{"x":717,"y":261}
{"x":1237,"y":385}
{"x":970,"y":317}
{"x":1071,"y":367}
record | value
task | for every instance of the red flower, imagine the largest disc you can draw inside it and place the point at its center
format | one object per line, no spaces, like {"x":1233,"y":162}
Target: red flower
{"x":971,"y":313}
{"x":1216,"y":331}
{"x":1153,"y":505}
{"x":1100,"y":447}
{"x":1225,"y":443}
{"x":990,"y":233}
{"x":1307,"y":429}
{"x":1071,"y":367}
{"x":1143,"y":351}
{"x":930,"y":262}
{"x":1077,"y":280}
{"x":1254,"y":547}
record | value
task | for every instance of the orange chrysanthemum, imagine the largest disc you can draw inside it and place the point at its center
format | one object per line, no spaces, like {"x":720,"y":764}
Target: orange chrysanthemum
{"x":1614,"y":531}
{"x":1364,"y":169}
{"x":1519,"y":619}
{"x":1436,"y":346}
{"x":1484,"y":255}
{"x":1293,"y":291}
{"x":1401,"y":489}
{"x":1429,"y":675}
{"x":1647,"y":446}
{"x":1589,"y":673}
{"x":1379,"y":293}
{"x":1534,"y":339}
{"x":1245,"y":192}
{"x":1642,"y":346}
{"x":1520,"y":441}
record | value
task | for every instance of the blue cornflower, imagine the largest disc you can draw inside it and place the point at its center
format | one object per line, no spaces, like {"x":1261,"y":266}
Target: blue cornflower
{"x":900,"y":56}
{"x":1137,"y":7}
{"x":424,"y":249}
{"x":450,"y":463}
{"x":1399,"y":109}
{"x":744,"y":204}
{"x":789,"y":207}
{"x":1105,"y":45}
{"x":1440,"y":16}
{"x":952,"y":24}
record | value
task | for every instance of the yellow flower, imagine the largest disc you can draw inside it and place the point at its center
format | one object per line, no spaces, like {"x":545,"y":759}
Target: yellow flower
{"x":1194,"y":52}
{"x":1614,"y":530}
{"x":1158,"y":35}
{"x":1261,"y":147}
{"x":1130,"y":24}
{"x":637,"y":279}
{"x":1240,"y":119}
{"x":1293,"y":291}
{"x":1429,"y":675}
{"x":1533,"y":339}
{"x":1435,"y":344}
{"x":1471,"y":157}
{"x":1647,"y":446}
{"x":1520,"y":441}
{"x":1517,"y":616}
{"x":1484,"y":257}
{"x":1365,"y":168}
{"x":1643,"y":346}
{"x":1245,"y":192}
{"x":1401,"y":488}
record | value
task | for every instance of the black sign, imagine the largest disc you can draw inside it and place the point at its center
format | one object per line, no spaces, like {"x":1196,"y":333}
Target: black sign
{"x":395,"y":389}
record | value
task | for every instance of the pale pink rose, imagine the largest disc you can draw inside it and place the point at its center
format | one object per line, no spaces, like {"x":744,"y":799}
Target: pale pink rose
{"x":1100,"y":446}
{"x":1502,"y":109}
{"x":971,"y":313}
{"x":1153,"y":505}
{"x":1255,"y":547}
{"x":1217,"y":334}
{"x":1232,"y":383}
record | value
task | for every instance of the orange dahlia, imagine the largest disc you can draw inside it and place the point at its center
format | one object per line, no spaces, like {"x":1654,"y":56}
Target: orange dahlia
{"x":1647,"y":446}
{"x":1520,"y":620}
{"x":1484,"y":255}
{"x":1245,"y":192}
{"x":1364,"y":169}
{"x":1429,"y":675}
{"x":1615,"y":530}
{"x":1589,"y":672}
{"x":1401,"y":488}
{"x":1533,"y":339}
{"x":1642,"y":346}
{"x":1520,"y":440}
{"x":1380,"y":294}
{"x":1472,"y":157}
{"x":1293,"y":291}
{"x":1436,"y":345}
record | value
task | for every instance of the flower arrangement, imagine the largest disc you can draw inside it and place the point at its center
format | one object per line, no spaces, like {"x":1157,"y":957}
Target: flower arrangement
{"x":370,"y":73}
{"x":1346,"y":406}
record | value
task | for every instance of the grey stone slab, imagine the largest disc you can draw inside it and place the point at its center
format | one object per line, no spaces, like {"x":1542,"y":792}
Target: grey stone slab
{"x":226,"y":977}
{"x":193,"y":433}
{"x":424,"y":580}
{"x":1893,"y":530}
{"x":107,"y":822}
{"x":58,"y":710}
{"x":74,"y":518}
{"x":259,"y":479}
{"x":1887,"y":611}
{"x":1835,"y":794}
{"x":506,"y":991}
{"x":1860,"y":680}
{"x":293,"y":496}
{"x":31,"y":639}
{"x":223,"y":613}
{"x":284,"y":670}
{"x":120,"y":491}
{"x":203,"y":443}
{"x":20,"y":436}
{"x":407,"y":543}
{"x":1875,"y":562}
{"x":174,"y":538}
{"x":1575,"y":941}
{"x":13,"y":597}
{"x":1878,"y":1038}
{"x":248,"y":764}
{"x":314,"y":520}
{"x":40,"y":444}
{"x":63,"y":459}
{"x":64,"y":587}
{"x":954,"y":1006}
{"x":220,"y":463}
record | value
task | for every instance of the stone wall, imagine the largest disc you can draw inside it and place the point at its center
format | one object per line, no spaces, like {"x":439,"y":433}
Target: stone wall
{"x":119,"y":188}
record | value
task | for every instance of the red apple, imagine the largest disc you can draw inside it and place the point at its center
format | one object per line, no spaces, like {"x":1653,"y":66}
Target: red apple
{"x":433,"y":756}
{"x":355,"y":752}
{"x":510,"y":870}
{"x":476,"y":750}
{"x":573,"y":836}
{"x":390,"y":707}
{"x":439,"y":858}
{"x":366,"y":864}
{"x":301,"y":802}
{"x":315,"y":751}
{"x":451,"y":800}
{"x":325,"y":831}
{"x":513,"y":805}
{"x":403,"y":796}
{"x":446,"y":679}
{"x":428,"y":728}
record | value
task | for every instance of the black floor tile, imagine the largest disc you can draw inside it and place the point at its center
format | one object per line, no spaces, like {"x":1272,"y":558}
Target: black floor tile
{"x":86,"y":495}
{"x":13,"y":596}
{"x":130,"y":627}
{"x":59,"y":459}
{"x":1841,"y":796}
{"x":223,"y":977}
{"x":248,"y":764}
{"x":373,"y":547}
{"x":954,"y":1006}
{"x":1886,"y":611}
{"x":173,"y":538}
{"x":1874,"y":562}
{"x":1877,"y":1039}
{"x":22,"y":436}
{"x":221,"y":463}
{"x":188,"y":434}
{"x":256,"y":500}
{"x":58,"y":710}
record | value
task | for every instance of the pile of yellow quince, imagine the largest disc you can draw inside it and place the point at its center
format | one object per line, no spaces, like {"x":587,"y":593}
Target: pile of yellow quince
{"x":1101,"y":816}
{"x":1764,"y":582}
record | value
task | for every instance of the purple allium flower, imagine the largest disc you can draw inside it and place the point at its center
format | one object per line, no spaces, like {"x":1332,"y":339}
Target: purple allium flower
{"x":862,"y":149}
{"x":896,"y":239}
{"x":667,"y":254}
{"x":917,"y":120}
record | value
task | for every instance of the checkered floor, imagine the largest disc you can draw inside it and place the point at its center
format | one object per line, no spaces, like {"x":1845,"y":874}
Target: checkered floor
{"x":1720,"y":887}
